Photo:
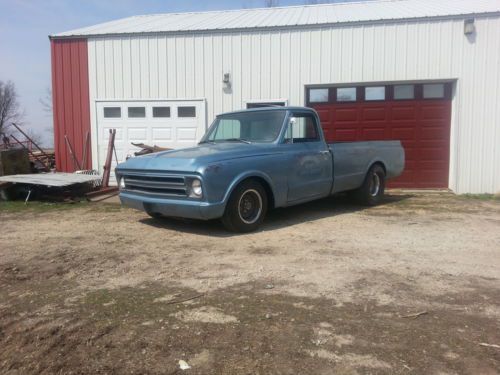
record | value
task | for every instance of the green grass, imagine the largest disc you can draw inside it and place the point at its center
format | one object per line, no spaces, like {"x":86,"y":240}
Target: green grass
{"x":41,"y":206}
{"x":483,"y":197}
{"x":38,"y":206}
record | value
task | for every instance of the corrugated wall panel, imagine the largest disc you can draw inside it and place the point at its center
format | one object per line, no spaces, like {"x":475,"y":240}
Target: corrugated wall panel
{"x":236,"y":69}
{"x":278,"y":64}
{"x":70,"y":95}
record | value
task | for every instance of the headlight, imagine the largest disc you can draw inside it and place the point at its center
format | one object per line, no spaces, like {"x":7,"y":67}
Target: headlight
{"x":121,"y":183}
{"x":196,"y":189}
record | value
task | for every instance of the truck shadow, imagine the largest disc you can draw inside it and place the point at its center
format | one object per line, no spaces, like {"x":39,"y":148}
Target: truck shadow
{"x":276,"y":219}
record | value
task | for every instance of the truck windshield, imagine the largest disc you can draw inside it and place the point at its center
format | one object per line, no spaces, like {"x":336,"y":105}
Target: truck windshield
{"x":248,"y":127}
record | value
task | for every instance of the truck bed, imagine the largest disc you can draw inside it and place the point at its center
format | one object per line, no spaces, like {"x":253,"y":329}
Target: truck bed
{"x":351,"y":161}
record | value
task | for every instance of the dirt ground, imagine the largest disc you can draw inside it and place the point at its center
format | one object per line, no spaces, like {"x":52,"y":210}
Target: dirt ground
{"x":408,"y":287}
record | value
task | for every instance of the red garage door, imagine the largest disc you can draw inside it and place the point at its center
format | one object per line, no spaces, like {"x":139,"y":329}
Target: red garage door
{"x":418,"y":115}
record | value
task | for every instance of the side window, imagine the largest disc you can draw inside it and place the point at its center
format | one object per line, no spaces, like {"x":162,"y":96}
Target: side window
{"x":302,"y":128}
{"x":228,"y":128}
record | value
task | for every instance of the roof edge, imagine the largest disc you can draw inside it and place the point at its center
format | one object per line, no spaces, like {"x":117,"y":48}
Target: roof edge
{"x":284,"y":27}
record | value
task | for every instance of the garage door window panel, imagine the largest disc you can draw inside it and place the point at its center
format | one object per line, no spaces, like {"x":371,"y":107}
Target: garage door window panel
{"x":161,"y":112}
{"x":404,"y":92}
{"x":433,"y":91}
{"x":136,"y":112}
{"x":188,"y":111}
{"x":318,"y":95}
{"x":375,"y":93}
{"x":112,"y":112}
{"x":346,"y":94}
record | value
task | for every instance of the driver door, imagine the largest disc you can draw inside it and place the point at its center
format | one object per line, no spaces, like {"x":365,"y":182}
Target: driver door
{"x":309,"y":166}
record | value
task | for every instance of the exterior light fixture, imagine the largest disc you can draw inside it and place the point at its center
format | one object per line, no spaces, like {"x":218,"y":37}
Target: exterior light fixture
{"x":469,"y":27}
{"x":226,"y":80}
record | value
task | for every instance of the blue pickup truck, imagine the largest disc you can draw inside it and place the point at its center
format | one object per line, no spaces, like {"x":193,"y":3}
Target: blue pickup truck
{"x":254,"y":160}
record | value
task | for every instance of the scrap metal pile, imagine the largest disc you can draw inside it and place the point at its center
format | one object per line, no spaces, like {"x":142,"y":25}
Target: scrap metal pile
{"x":40,"y":160}
{"x":146,"y":149}
{"x":54,"y":186}
{"x":27,"y":171}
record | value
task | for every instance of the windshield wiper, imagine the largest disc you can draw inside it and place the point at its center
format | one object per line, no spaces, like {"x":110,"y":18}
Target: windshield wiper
{"x":211,"y":142}
{"x":238,"y":140}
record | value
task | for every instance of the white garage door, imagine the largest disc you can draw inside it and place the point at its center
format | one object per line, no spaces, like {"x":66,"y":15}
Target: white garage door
{"x":173,"y":124}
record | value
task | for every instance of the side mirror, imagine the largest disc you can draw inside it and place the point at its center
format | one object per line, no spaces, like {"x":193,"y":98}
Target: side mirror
{"x":289,"y":130}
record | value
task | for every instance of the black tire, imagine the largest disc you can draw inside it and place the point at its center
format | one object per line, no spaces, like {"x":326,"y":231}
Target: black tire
{"x":246,"y":208}
{"x":372,"y":191}
{"x":154,"y":215}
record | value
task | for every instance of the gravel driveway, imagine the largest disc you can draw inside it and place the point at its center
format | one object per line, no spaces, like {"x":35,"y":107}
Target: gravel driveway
{"x":408,"y":287}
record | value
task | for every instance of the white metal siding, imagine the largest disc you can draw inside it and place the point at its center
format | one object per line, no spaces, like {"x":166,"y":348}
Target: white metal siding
{"x":277,"y":64}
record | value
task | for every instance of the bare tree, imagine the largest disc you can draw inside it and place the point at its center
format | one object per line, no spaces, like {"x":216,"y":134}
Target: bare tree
{"x":34,"y":135}
{"x":9,"y":106}
{"x":46,"y":101}
{"x":271,"y":3}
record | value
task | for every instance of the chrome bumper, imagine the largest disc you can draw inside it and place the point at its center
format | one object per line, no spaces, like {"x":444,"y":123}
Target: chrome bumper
{"x":190,"y":209}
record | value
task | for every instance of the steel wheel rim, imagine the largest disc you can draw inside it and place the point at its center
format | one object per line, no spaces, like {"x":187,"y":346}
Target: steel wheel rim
{"x":250,"y":206}
{"x":374,"y":185}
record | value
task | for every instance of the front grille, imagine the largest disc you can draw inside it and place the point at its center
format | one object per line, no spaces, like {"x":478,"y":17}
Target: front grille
{"x":166,"y":185}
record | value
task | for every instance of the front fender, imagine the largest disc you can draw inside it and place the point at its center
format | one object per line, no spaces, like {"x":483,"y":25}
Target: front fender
{"x":243,"y":176}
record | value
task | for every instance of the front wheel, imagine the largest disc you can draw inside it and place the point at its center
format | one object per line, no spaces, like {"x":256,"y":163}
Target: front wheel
{"x":154,"y":215}
{"x":246,"y":208}
{"x":372,"y":190}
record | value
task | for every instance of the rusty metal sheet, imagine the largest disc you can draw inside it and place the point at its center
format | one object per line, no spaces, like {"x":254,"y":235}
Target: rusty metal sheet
{"x":51,"y":179}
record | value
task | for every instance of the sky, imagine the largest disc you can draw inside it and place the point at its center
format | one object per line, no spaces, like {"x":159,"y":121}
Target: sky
{"x":25,"y":48}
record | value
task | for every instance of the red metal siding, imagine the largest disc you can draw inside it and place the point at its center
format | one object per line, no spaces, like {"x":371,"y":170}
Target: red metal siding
{"x":70,"y":96}
{"x":422,"y":126}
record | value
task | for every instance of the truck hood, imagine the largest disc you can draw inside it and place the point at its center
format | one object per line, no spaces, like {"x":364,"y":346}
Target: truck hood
{"x":194,"y":158}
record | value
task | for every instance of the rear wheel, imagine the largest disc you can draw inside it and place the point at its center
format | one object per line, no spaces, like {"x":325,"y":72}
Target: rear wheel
{"x":373,"y":188}
{"x":246,"y":208}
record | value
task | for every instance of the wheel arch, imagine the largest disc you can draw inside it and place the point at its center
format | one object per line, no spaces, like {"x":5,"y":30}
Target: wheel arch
{"x":262,"y":178}
{"x":376,"y":162}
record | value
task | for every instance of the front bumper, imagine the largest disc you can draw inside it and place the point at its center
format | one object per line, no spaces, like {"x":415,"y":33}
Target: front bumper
{"x":189,"y":209}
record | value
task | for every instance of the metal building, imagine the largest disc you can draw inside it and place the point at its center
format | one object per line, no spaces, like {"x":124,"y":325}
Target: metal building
{"x":423,"y":71}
